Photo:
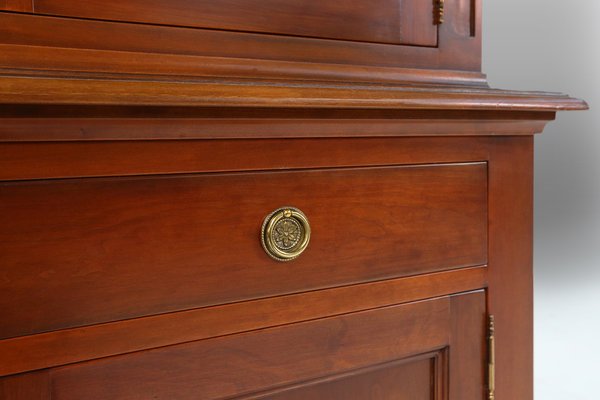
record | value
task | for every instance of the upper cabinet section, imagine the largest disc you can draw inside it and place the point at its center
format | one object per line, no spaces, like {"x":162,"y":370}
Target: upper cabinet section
{"x":410,"y":22}
{"x":389,"y":41}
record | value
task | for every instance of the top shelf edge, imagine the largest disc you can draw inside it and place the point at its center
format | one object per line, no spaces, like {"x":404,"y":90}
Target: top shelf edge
{"x":35,"y":90}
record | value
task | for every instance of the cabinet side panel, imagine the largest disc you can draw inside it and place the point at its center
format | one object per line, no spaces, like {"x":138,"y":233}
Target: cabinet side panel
{"x":510,"y":265}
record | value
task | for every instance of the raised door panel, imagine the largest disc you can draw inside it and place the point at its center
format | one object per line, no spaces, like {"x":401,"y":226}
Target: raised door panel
{"x":432,"y":349}
{"x":409,"y":380}
{"x":378,"y":21}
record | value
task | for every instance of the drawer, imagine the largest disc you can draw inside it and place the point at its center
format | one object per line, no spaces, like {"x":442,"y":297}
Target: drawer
{"x":430,"y":350}
{"x":82,"y":251}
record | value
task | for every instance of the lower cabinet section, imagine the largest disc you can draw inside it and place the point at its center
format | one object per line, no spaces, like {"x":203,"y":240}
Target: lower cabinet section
{"x":432,"y":349}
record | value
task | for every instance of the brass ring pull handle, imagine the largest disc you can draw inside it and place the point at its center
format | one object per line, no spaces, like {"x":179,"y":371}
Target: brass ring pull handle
{"x":285,"y":233}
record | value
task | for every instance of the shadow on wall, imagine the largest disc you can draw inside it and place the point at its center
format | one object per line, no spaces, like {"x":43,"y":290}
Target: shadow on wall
{"x":556,"y":55}
{"x":542,"y":45}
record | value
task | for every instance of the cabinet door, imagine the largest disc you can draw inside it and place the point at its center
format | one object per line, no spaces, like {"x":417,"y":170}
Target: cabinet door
{"x":274,"y":39}
{"x":426,"y":350}
{"x":379,"y":21}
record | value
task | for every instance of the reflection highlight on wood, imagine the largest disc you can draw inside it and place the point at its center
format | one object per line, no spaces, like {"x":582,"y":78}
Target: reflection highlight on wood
{"x":86,"y":343}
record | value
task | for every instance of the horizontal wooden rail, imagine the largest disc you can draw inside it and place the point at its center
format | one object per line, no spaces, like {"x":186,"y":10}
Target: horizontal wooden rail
{"x":68,"y":346}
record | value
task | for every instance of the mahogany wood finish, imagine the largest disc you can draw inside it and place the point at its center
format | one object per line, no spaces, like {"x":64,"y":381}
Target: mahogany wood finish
{"x":268,"y":367}
{"x":17,"y":5}
{"x":27,"y":161}
{"x":40,"y":60}
{"x":143,"y":143}
{"x":383,"y":21}
{"x":302,"y":54}
{"x":510,"y":296}
{"x":270,"y":94}
{"x":402,"y":377}
{"x":359,"y":123}
{"x":33,"y":386}
{"x":97,"y":341}
{"x":165,"y":245}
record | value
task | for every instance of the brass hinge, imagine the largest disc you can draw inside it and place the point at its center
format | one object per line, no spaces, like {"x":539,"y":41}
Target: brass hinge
{"x":491,"y":358}
{"x":438,"y":12}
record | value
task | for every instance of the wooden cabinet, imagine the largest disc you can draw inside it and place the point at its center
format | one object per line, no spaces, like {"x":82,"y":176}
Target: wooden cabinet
{"x":262,"y":200}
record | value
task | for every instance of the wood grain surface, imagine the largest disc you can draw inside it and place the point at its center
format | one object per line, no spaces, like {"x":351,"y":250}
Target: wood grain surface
{"x":121,"y":129}
{"x":337,"y":356}
{"x":459,"y":51}
{"x":123,"y":92}
{"x":511,"y":265}
{"x":30,"y":60}
{"x":385,"y":382}
{"x":322,"y":348}
{"x":383,"y":21}
{"x":32,"y":386}
{"x":17,"y":5}
{"x":263,"y":360}
{"x":142,"y":143}
{"x":38,"y":160}
{"x":78,"y":252}
{"x":70,"y":346}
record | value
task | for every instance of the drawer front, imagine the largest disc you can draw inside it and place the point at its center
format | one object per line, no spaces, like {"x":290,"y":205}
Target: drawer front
{"x":382,"y":21}
{"x":83,"y":251}
{"x":400,"y":352}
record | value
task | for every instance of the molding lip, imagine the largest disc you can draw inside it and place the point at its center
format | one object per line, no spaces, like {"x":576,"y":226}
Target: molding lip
{"x":249,"y":94}
{"x":127,"y":129}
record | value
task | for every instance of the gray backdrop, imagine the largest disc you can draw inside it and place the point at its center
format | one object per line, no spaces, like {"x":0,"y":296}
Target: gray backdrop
{"x":554,"y":45}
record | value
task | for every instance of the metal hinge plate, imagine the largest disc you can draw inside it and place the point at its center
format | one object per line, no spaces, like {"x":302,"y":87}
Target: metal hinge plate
{"x":438,"y":12}
{"x":491,"y":358}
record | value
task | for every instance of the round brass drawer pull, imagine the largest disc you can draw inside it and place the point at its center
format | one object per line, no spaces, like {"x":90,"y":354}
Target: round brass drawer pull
{"x":285,"y":233}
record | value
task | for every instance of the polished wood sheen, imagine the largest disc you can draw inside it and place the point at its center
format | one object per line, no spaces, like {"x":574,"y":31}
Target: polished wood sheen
{"x":97,"y":341}
{"x":511,"y":266}
{"x":226,"y":50}
{"x":153,"y":245}
{"x":382,"y":21}
{"x":43,"y":59}
{"x":382,"y":382}
{"x":265,"y":94}
{"x":33,"y":386}
{"x":16,"y":5}
{"x":321,"y":349}
{"x":143,"y":143}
